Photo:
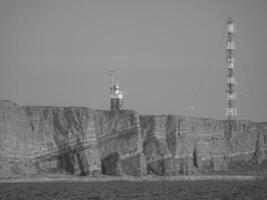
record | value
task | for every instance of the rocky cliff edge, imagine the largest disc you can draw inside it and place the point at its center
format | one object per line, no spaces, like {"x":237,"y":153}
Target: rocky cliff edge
{"x":84,"y":141}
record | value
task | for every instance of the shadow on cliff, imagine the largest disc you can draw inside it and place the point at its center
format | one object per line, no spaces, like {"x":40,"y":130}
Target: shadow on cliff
{"x":110,"y":165}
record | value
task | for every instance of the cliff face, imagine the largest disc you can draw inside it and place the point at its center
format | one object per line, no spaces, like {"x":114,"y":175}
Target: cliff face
{"x":176,"y":145}
{"x":73,"y":140}
{"x":48,"y":139}
{"x":83,"y":141}
{"x":118,"y":135}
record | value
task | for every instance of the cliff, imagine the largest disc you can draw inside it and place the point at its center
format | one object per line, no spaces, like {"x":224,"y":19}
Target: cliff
{"x":175,"y":145}
{"x":84,"y":141}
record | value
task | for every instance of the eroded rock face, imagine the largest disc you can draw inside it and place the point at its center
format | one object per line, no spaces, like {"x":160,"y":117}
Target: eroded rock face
{"x":83,"y":141}
{"x":48,"y":139}
{"x":118,"y":135}
{"x":71,"y":140}
{"x":175,"y":145}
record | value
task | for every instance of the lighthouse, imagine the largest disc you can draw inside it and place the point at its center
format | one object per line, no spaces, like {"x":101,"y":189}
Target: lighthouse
{"x":116,"y":95}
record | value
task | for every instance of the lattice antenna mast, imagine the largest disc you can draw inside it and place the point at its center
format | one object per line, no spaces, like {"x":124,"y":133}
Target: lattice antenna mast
{"x":231,"y":110}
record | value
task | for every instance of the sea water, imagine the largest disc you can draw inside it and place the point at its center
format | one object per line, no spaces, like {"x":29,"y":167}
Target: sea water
{"x":208,"y":190}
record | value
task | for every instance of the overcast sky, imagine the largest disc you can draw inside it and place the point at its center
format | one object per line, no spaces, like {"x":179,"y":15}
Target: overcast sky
{"x":168,"y":55}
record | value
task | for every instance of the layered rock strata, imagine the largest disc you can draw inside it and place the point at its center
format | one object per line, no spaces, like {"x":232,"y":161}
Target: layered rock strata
{"x":176,"y":145}
{"x":84,"y":141}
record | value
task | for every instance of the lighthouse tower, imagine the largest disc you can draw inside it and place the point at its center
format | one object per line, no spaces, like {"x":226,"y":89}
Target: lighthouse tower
{"x":116,"y":95}
{"x":231,"y":110}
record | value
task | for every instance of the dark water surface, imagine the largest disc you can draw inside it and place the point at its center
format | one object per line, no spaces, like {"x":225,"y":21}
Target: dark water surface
{"x":214,"y":190}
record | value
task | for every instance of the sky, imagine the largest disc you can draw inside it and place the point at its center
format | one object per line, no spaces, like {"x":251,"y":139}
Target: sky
{"x":168,"y":56}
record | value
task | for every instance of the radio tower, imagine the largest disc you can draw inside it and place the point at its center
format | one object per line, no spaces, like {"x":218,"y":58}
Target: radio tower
{"x":231,"y":110}
{"x":116,"y":96}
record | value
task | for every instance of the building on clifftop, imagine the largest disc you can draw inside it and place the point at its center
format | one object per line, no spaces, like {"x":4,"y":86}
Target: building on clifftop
{"x":116,"y":95}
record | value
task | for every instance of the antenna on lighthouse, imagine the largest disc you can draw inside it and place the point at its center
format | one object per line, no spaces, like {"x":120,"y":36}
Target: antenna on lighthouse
{"x":111,"y":72}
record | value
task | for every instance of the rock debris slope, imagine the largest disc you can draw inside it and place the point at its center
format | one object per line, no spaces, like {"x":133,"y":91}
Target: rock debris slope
{"x":84,"y":141}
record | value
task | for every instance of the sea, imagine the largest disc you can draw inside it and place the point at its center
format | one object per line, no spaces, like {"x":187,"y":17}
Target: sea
{"x":118,"y":190}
